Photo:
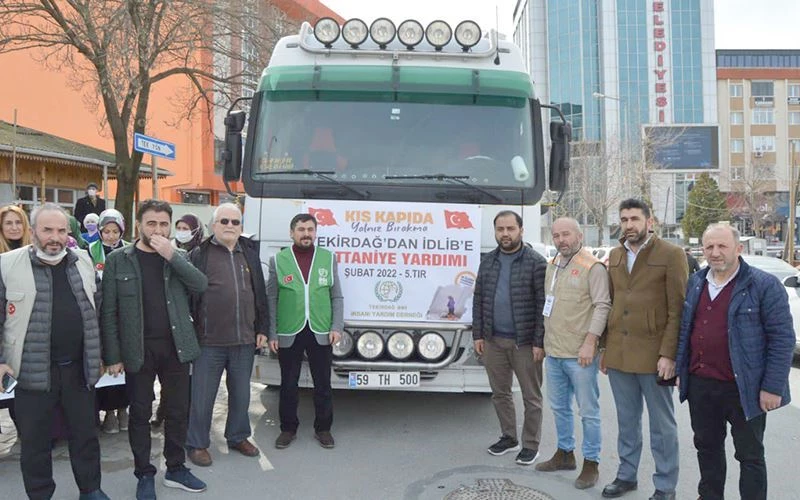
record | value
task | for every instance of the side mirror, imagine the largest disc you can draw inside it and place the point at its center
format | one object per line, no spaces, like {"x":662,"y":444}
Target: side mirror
{"x":560,"y":135}
{"x":232,"y":156}
{"x":791,"y":282}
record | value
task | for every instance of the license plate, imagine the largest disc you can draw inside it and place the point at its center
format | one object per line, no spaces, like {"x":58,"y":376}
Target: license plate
{"x":368,"y":380}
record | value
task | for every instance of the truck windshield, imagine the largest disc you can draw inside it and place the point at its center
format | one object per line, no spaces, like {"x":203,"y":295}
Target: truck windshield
{"x":393,"y":139}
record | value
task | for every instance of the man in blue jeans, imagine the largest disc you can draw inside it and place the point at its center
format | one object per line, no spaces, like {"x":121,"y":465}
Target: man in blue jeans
{"x":575,"y":314}
{"x":231,"y":320}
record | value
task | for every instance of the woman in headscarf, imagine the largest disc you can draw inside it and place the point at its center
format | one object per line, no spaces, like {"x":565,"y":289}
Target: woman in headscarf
{"x":110,"y":228}
{"x":112,"y":399}
{"x":90,"y":222}
{"x":188,"y":232}
{"x":15,"y":231}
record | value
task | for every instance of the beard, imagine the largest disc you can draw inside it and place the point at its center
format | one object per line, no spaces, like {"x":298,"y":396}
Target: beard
{"x":567,"y":251}
{"x":637,"y":237}
{"x":509,"y":244}
{"x":305,"y":242}
{"x":46,"y":247}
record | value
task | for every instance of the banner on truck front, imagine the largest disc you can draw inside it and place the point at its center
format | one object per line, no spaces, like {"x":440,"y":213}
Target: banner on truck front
{"x":402,"y":261}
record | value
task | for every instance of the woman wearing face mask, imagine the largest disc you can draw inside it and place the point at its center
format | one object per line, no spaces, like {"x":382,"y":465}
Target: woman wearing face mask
{"x":90,"y":222}
{"x":111,"y":399}
{"x":188,"y":232}
{"x":15,"y":231}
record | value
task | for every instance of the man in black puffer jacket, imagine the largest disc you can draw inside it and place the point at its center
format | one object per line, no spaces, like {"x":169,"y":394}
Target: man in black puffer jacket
{"x":508,"y":331}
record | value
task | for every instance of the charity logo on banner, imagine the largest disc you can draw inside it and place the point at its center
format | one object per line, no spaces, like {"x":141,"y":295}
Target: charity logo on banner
{"x":402,"y":261}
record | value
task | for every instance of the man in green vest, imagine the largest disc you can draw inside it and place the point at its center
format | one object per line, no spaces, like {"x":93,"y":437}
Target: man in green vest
{"x":304,"y":291}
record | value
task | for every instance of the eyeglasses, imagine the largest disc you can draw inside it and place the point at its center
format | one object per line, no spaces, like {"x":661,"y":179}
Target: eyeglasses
{"x":225,"y":222}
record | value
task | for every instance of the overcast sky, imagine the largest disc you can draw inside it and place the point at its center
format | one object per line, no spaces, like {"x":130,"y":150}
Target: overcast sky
{"x":739,"y":24}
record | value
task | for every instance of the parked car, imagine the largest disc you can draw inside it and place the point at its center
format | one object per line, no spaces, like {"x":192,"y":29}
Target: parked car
{"x":602,"y":254}
{"x":788,"y":275}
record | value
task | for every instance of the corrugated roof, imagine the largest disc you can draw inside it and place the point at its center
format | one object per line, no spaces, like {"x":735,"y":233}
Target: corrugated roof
{"x":36,"y":145}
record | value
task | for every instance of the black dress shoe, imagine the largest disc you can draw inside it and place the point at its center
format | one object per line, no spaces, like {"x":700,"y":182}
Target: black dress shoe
{"x":618,"y":488}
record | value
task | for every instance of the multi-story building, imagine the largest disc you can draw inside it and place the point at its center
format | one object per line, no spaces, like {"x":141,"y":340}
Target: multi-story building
{"x":615,"y":66}
{"x":759,"y":117}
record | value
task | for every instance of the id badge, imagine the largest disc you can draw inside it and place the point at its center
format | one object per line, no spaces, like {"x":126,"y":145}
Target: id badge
{"x":548,"y":305}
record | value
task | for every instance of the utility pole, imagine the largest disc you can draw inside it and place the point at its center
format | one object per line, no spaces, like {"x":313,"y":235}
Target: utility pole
{"x":789,"y":246}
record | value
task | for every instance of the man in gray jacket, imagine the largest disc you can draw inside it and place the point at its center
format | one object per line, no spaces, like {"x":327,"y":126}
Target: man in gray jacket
{"x":53,"y":348}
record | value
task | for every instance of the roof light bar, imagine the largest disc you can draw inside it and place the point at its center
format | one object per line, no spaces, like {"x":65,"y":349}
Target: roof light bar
{"x":355,"y":32}
{"x":326,"y":31}
{"x":438,"y":33}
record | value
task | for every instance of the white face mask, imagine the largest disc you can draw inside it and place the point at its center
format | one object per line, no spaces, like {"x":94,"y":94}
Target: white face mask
{"x":53,"y":259}
{"x":183,"y":236}
{"x":91,"y":192}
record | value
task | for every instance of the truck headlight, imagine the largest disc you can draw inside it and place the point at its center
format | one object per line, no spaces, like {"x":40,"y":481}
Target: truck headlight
{"x":370,"y":345}
{"x":431,"y":346}
{"x":400,"y":346}
{"x":468,"y":33}
{"x":326,"y":31}
{"x":438,"y":34}
{"x":354,"y":32}
{"x":382,"y":31}
{"x":345,"y":346}
{"x":410,"y":33}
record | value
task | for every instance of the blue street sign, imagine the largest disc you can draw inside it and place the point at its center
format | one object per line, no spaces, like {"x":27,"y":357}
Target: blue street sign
{"x":153,"y":146}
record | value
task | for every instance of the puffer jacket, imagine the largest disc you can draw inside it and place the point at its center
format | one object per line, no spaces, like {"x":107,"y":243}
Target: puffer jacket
{"x":34,"y":371}
{"x":761,"y":336}
{"x":527,"y":296}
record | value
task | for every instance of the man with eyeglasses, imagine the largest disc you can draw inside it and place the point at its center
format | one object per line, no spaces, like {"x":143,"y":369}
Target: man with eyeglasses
{"x":148,"y":332}
{"x":230,"y":318}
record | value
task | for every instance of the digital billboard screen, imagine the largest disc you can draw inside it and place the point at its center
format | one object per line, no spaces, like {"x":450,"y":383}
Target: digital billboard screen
{"x":683,"y":147}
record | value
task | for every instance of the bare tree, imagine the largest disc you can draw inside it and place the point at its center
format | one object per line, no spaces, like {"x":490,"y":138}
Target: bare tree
{"x":122,"y":49}
{"x":753,"y":190}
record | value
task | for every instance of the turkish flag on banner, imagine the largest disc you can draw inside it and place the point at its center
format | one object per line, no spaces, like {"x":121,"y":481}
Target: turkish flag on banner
{"x":324,"y":216}
{"x":458,"y":220}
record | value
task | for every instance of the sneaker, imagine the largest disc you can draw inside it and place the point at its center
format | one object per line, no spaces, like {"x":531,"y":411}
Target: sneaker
{"x":97,"y":494}
{"x":183,"y":478}
{"x":110,"y":423}
{"x":527,"y":456}
{"x":146,"y":488}
{"x":506,"y":444}
{"x":285,"y":439}
{"x":122,"y":417}
{"x":325,"y":439}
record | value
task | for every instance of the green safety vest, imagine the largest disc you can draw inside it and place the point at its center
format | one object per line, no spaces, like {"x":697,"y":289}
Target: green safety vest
{"x":300,"y":302}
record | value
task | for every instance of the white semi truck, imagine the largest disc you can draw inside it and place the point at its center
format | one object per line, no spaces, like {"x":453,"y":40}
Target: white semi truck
{"x":404,"y":141}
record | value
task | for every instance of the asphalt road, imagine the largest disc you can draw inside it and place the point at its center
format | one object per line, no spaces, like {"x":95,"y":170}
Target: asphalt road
{"x":395,"y":445}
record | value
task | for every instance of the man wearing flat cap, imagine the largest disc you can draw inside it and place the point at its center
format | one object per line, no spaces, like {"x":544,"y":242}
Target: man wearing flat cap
{"x":89,"y":204}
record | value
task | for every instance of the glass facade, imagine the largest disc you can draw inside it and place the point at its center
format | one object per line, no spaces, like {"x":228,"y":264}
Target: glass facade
{"x":687,"y":86}
{"x":633,"y":70}
{"x":758,"y":58}
{"x":575,"y":64}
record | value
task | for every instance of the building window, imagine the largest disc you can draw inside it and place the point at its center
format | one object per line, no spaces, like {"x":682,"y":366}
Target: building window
{"x":737,"y":118}
{"x":736,"y":89}
{"x":796,"y":144}
{"x":196,"y":198}
{"x":763,"y":172}
{"x":794,"y":90}
{"x":763,"y":143}
{"x":763,"y":116}
{"x":737,"y":145}
{"x":737,"y":173}
{"x":794,"y":117}
{"x":763,"y":93}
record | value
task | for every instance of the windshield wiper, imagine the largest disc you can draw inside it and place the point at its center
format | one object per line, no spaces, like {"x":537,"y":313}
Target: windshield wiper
{"x":459,"y":179}
{"x":322,"y":174}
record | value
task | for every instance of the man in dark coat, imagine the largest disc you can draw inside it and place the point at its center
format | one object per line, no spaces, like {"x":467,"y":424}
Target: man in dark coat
{"x":89,"y":204}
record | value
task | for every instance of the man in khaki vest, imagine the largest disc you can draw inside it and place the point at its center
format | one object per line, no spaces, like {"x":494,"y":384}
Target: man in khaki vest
{"x":575,"y":314}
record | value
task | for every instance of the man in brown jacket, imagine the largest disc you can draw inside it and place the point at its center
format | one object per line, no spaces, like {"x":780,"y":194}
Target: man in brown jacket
{"x":648,"y":287}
